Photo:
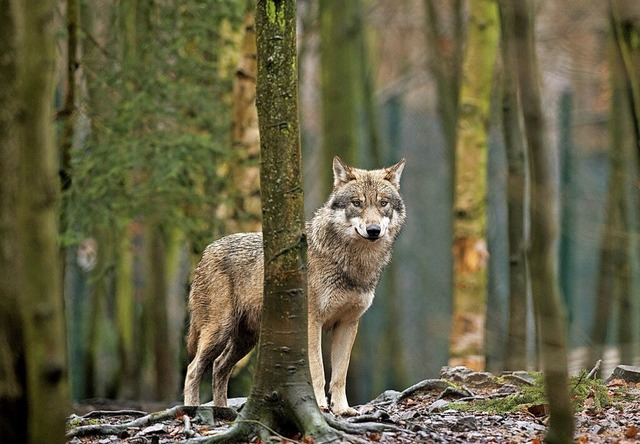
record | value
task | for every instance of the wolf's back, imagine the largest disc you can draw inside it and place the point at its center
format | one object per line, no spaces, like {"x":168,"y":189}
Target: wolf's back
{"x":224,"y":286}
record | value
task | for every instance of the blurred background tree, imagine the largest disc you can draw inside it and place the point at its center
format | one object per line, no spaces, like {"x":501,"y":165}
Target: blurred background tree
{"x":34,"y":390}
{"x":158,"y":151}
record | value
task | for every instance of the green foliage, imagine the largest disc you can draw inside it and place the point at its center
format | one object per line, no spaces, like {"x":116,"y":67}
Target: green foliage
{"x":159,"y":120}
{"x":583,"y":388}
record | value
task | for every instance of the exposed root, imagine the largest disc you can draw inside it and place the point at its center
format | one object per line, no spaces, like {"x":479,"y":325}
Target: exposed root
{"x":143,"y":421}
{"x":427,"y":385}
{"x":360,"y":428}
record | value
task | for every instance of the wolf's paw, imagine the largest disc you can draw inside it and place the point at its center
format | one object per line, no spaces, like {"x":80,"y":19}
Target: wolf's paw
{"x":344,"y":411}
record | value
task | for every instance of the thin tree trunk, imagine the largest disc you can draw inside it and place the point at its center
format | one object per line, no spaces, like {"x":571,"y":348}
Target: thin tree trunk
{"x":445,"y":55}
{"x":544,"y":232}
{"x":124,"y":289}
{"x":37,"y":220}
{"x":625,"y":128}
{"x":515,"y":353}
{"x":470,"y":207}
{"x":13,"y":399}
{"x":339,"y":55}
{"x":614,"y":282}
{"x":446,"y":65}
{"x":626,"y":29}
{"x":67,"y":115}
{"x":245,"y":211}
{"x":610,"y":249}
{"x":164,"y":365}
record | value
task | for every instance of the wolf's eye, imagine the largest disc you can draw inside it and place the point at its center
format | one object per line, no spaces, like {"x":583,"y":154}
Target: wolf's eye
{"x":356,"y":203}
{"x":383,"y":203}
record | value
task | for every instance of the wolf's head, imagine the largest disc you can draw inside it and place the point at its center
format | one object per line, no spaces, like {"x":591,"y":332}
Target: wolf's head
{"x":367,"y":202}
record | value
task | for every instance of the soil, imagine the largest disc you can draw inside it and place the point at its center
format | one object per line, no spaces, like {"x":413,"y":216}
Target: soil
{"x":463,"y":406}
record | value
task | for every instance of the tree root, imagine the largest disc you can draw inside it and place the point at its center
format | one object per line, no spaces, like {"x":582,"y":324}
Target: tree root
{"x":143,"y":421}
{"x":337,"y":430}
{"x":359,"y":428}
{"x":334,"y":430}
{"x":423,"y":386}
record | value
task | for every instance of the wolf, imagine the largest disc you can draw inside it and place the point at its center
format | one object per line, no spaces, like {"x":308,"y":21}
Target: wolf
{"x":349,"y":244}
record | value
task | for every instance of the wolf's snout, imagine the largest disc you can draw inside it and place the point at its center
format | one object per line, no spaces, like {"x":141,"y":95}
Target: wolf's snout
{"x":373,"y":231}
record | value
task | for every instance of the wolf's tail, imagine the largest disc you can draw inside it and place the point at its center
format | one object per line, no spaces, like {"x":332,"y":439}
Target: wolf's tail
{"x":192,"y":339}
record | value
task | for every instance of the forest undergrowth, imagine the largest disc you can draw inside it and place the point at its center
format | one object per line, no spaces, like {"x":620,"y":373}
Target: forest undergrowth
{"x":462,"y":406}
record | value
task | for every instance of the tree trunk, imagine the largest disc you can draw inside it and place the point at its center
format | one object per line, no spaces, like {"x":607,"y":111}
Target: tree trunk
{"x":470,"y":205}
{"x":124,"y":316}
{"x":282,"y":397}
{"x":625,"y":130}
{"x":515,"y":351}
{"x":445,"y":62}
{"x":37,"y":221}
{"x":544,"y":231}
{"x":124,"y":288}
{"x":445,"y":54}
{"x":245,"y":211}
{"x":626,"y":28}
{"x":339,"y":55}
{"x":67,"y":116}
{"x":158,"y":338}
{"x":614,"y":280}
{"x":13,"y":398}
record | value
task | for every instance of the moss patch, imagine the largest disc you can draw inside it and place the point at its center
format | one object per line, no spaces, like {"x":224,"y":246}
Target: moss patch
{"x":585,"y":393}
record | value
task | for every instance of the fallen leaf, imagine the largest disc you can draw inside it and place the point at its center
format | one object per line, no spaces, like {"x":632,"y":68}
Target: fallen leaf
{"x":631,"y":432}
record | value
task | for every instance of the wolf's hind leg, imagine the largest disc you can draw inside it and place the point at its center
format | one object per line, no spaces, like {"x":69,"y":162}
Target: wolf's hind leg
{"x":223,"y":366}
{"x":342,"y":339}
{"x":206,"y":352}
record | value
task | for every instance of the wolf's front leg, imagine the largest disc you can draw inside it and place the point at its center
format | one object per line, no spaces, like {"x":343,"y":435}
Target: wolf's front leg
{"x":342,"y":338}
{"x":315,"y":362}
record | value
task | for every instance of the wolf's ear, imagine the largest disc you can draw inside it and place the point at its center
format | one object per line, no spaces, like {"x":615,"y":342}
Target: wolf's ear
{"x":342,"y":173}
{"x":394,"y":172}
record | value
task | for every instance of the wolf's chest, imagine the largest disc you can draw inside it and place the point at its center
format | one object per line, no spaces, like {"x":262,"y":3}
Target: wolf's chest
{"x":340,"y":305}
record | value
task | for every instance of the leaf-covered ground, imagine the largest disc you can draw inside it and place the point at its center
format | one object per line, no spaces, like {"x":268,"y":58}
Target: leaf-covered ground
{"x":461,"y":407}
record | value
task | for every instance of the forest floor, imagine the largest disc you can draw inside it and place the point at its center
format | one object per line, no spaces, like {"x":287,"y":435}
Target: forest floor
{"x":463,"y":406}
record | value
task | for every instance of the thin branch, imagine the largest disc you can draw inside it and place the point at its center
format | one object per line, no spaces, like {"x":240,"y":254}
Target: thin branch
{"x":594,"y":371}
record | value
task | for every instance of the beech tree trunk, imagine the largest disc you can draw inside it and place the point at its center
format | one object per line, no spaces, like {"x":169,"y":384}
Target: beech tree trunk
{"x":37,"y":226}
{"x":245,"y":211}
{"x":339,"y":55}
{"x":470,"y":205}
{"x":614,"y":280}
{"x":282,"y":397}
{"x":544,"y":230}
{"x":157,"y":328}
{"x":515,"y":352}
{"x":13,"y":399}
{"x":445,"y":63}
{"x":625,"y":16}
{"x":124,"y":281}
